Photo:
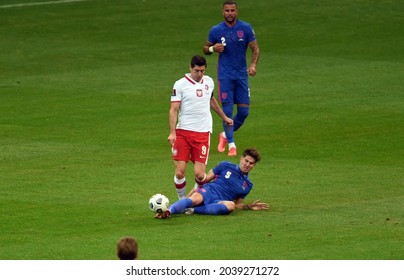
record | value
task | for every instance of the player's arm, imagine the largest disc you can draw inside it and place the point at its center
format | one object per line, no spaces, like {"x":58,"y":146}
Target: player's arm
{"x":256,"y":205}
{"x":210,"y":176}
{"x":252,"y":69}
{"x":206,"y":48}
{"x":172,"y":120}
{"x":214,"y":105}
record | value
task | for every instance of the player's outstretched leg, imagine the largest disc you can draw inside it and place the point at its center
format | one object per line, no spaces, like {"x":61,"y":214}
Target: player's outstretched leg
{"x":179,"y":206}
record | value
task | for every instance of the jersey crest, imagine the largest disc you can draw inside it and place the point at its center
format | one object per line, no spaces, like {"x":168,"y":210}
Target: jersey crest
{"x":240,"y":35}
{"x":245,"y":185}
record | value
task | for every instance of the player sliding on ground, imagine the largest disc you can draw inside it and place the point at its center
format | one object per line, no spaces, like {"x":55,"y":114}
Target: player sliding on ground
{"x":228,"y":186}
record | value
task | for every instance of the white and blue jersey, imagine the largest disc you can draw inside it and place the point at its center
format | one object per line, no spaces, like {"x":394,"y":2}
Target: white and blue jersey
{"x":232,"y":61}
{"x":230,"y":183}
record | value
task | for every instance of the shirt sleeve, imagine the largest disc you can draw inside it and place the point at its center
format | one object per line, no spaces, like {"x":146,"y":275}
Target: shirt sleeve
{"x":250,"y":34}
{"x":176,"y":93}
{"x":218,"y":168}
{"x":212,"y":35}
{"x":211,"y":85}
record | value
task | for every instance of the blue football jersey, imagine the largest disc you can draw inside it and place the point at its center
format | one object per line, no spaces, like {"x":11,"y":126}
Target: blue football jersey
{"x":230,"y":183}
{"x":232,"y":61}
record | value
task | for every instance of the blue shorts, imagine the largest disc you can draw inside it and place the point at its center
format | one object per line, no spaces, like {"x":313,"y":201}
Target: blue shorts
{"x":234,"y":91}
{"x":208,"y":196}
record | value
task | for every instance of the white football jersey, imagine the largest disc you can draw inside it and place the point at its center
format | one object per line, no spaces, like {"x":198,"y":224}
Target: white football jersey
{"x":194,"y":113}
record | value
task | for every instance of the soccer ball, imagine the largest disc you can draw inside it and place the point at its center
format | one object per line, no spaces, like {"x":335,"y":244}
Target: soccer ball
{"x":159,"y":203}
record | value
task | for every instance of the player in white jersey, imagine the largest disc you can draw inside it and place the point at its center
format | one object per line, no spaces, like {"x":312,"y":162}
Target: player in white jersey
{"x":191,"y":101}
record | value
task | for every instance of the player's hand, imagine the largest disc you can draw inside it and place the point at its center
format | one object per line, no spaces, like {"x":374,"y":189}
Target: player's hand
{"x":257,"y":205}
{"x":252,"y":71}
{"x":218,"y":47}
{"x":171,"y":139}
{"x":229,"y":121}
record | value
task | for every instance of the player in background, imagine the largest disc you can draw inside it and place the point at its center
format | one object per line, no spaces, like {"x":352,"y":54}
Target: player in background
{"x":231,"y":39}
{"x":127,"y":248}
{"x":191,"y":101}
{"x":227,"y":185}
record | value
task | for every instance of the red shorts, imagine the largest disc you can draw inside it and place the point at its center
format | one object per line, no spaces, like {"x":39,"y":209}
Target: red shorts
{"x":190,"y":145}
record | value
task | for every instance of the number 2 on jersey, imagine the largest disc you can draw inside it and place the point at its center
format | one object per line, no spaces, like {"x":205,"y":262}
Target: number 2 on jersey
{"x":223,"y":41}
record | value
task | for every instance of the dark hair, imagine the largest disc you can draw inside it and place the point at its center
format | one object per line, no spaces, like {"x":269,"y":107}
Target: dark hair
{"x":127,"y":248}
{"x":229,"y":2}
{"x":252,"y":152}
{"x":199,"y":61}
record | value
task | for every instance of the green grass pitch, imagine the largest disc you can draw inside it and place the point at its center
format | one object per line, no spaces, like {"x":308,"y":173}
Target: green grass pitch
{"x":84,"y":98}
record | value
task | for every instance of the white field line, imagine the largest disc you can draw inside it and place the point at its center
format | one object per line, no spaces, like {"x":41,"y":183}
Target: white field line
{"x":39,"y":3}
